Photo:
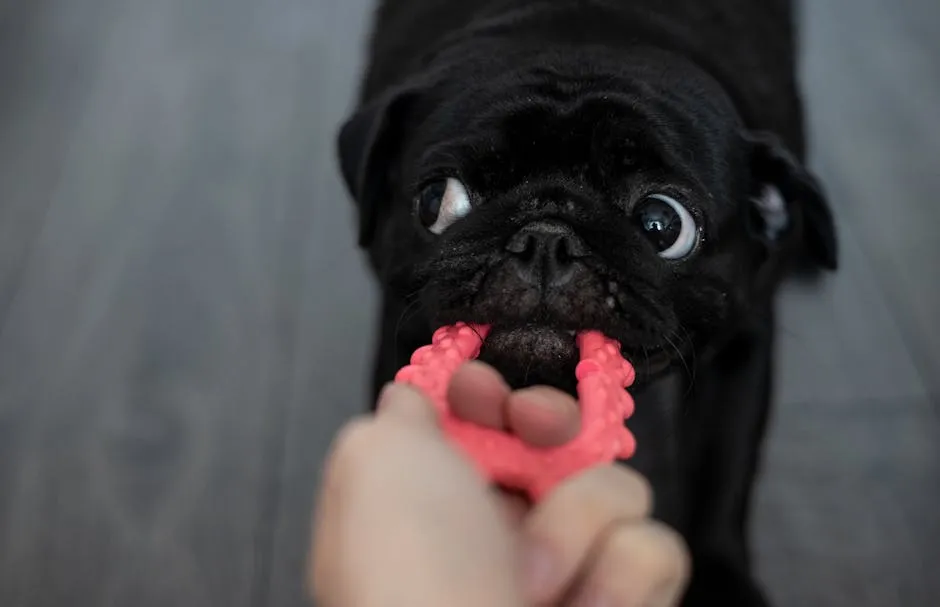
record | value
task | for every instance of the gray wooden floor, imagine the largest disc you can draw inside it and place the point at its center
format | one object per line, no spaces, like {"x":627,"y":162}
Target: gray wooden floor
{"x":184,"y":319}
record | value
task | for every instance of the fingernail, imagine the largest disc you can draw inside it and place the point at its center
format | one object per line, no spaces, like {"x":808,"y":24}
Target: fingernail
{"x":539,"y":572}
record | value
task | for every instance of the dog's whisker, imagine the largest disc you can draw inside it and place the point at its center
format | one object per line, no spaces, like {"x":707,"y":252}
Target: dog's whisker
{"x":411,"y":309}
{"x":689,"y":341}
{"x":686,"y":340}
{"x":678,"y":352}
{"x":528,"y":369}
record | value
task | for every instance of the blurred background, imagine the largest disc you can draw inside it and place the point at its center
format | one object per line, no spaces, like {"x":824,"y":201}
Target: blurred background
{"x":185,"y":320}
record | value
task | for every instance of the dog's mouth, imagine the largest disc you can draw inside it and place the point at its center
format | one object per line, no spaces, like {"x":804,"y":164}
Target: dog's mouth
{"x":535,"y":354}
{"x":538,"y":343}
{"x":532,"y":354}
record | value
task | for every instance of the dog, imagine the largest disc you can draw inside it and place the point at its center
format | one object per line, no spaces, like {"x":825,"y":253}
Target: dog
{"x":633,"y":166}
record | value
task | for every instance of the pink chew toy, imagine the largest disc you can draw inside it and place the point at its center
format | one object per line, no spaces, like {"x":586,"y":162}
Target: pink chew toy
{"x":503,"y":458}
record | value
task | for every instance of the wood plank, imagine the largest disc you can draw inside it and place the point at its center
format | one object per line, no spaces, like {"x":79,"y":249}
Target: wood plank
{"x":839,"y":340}
{"x":145,"y":357}
{"x":847,"y":510}
{"x":335,"y":323}
{"x":49,"y":57}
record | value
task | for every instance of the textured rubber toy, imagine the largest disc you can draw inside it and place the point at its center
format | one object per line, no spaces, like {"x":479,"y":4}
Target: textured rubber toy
{"x":505,"y":459}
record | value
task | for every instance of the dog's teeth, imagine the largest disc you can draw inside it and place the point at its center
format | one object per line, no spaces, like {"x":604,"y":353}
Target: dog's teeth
{"x":610,"y":303}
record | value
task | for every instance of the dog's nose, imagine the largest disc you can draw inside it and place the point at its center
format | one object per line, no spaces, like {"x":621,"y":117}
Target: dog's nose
{"x":546,"y":252}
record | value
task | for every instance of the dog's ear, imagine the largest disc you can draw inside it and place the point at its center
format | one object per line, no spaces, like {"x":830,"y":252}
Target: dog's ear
{"x":368,"y":143}
{"x":785,"y":190}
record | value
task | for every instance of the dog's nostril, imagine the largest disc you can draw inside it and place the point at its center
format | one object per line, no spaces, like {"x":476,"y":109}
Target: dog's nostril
{"x":522,"y":243}
{"x":573,"y":247}
{"x":567,"y":250}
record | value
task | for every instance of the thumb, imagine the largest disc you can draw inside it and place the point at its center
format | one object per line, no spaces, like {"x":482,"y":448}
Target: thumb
{"x":403,"y":509}
{"x":401,"y":403}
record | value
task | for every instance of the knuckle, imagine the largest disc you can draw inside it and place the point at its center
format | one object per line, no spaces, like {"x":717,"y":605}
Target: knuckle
{"x":602,"y":496}
{"x":670,"y":551}
{"x":642,"y":489}
{"x":635,"y":490}
{"x":641,"y":560}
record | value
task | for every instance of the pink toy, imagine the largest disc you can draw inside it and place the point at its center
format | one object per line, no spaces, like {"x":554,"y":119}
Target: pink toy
{"x":503,"y":458}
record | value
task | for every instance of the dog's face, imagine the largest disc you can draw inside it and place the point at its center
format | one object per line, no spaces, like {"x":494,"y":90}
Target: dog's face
{"x":554,"y":199}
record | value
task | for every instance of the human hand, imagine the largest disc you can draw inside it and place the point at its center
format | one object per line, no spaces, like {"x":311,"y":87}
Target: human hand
{"x":404,"y":519}
{"x":590,"y":542}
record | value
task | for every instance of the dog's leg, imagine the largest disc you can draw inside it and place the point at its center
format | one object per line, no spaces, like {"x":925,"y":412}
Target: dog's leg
{"x":724,"y":431}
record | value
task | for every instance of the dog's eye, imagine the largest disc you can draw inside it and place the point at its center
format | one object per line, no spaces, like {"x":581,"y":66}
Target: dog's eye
{"x":441,"y":203}
{"x":668,"y":225}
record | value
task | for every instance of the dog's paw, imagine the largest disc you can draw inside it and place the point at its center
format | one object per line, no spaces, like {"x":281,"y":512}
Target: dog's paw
{"x":716,"y":581}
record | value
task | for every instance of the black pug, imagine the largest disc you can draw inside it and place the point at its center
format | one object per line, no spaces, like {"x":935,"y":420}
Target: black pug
{"x":631,"y":166}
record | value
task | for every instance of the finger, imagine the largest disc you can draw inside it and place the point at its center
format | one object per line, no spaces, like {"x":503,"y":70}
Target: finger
{"x":344,"y":476}
{"x":562,"y":528}
{"x":543,"y":416}
{"x":409,"y":488}
{"x":477,"y":394}
{"x":636,"y":564}
{"x":321,"y":569}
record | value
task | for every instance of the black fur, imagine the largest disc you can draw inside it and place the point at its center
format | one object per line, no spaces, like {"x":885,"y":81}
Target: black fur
{"x":567,"y":114}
